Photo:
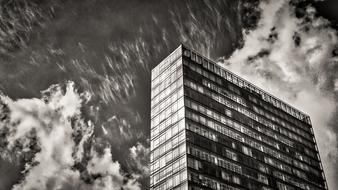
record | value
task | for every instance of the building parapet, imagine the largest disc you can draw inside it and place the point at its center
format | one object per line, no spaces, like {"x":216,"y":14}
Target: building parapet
{"x":239,"y":81}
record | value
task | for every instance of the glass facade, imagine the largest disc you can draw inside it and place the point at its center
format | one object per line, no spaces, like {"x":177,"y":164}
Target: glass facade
{"x":211,"y":129}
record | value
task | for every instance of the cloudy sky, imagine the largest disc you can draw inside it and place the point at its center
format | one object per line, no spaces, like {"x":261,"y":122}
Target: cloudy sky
{"x":75,"y":79}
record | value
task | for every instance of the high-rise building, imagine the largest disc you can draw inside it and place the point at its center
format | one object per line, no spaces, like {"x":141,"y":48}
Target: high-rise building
{"x":211,"y":129}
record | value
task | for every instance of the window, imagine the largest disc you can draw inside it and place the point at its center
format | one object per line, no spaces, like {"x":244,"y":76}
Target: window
{"x":174,"y":130}
{"x":176,"y":166}
{"x":168,"y":134}
{"x":155,"y":131}
{"x":201,"y":109}
{"x":176,"y":180}
{"x":225,"y":176}
{"x":174,"y":141}
{"x":156,"y":178}
{"x":156,"y":165}
{"x":168,"y":157}
{"x":183,"y":175}
{"x":209,"y":112}
{"x":199,"y":70}
{"x":263,"y":179}
{"x":218,"y":70}
{"x":169,"y":182}
{"x":180,"y":113}
{"x":186,"y":53}
{"x":181,"y":125}
{"x":205,"y":63}
{"x":194,"y":117}
{"x":181,"y":137}
{"x":175,"y":153}
{"x":183,"y":162}
{"x":174,"y":118}
{"x":162,"y":138}
{"x":162,"y":116}
{"x":156,"y":142}
{"x":162,"y":162}
{"x":182,"y":149}
{"x":194,"y":106}
{"x":211,"y":66}
{"x":236,"y":180}
{"x":199,"y":59}
{"x":180,"y":92}
{"x":247,"y":151}
{"x":202,"y":120}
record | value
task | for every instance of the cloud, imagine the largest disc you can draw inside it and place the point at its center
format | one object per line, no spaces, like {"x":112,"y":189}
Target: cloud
{"x":20,"y":20}
{"x":140,"y":157}
{"x":291,"y":56}
{"x":201,"y":30}
{"x":111,"y":178}
{"x":120,"y":127}
{"x":59,"y":141}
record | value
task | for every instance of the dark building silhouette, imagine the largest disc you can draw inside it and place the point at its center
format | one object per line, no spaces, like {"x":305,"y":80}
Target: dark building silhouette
{"x":211,"y":129}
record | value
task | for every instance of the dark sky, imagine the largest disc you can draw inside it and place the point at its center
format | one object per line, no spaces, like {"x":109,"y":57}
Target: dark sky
{"x":328,"y":10}
{"x":108,"y":48}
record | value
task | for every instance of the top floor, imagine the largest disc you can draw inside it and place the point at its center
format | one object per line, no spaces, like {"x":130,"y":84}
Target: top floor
{"x":183,"y":51}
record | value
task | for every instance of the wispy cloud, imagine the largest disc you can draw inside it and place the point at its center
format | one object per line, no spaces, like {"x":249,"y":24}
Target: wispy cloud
{"x":119,"y":128}
{"x":140,"y":158}
{"x":19,"y":19}
{"x":60,"y":140}
{"x":201,"y":29}
{"x":291,"y":56}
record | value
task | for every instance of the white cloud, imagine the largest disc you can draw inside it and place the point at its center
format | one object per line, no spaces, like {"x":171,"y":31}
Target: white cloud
{"x":110,"y":171}
{"x":140,"y":155}
{"x":53,"y":123}
{"x":298,"y":74}
{"x":104,"y":130}
{"x":120,"y":127}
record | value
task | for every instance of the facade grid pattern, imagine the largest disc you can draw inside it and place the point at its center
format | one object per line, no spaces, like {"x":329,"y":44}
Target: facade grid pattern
{"x":211,"y":129}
